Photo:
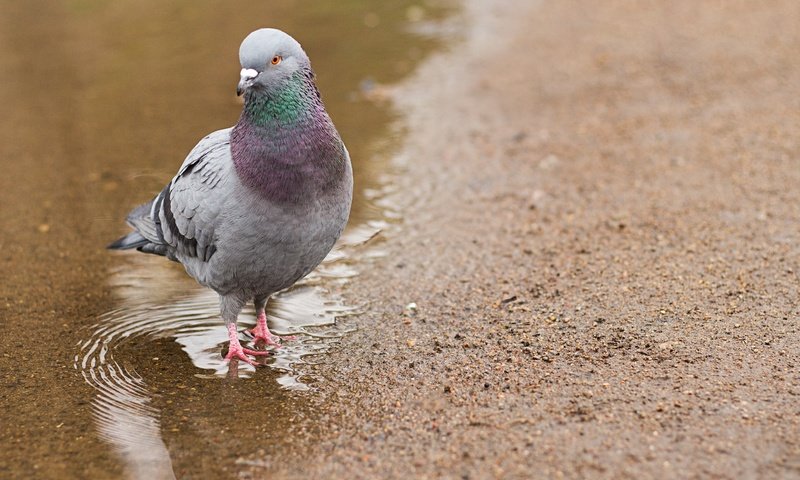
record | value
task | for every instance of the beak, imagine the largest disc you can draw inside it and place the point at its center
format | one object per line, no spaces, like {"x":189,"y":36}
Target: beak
{"x":246,"y":77}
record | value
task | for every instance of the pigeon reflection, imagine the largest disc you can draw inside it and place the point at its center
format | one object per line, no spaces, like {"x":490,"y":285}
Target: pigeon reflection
{"x":158,"y":301}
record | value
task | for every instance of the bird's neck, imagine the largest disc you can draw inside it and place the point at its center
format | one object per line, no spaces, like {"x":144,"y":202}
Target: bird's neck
{"x":296,"y":101}
{"x":284,"y":144}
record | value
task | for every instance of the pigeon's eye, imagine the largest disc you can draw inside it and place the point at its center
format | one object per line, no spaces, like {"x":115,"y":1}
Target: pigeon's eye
{"x":276,"y":59}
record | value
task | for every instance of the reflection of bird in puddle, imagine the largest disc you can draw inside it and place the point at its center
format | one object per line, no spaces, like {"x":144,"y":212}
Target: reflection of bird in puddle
{"x":256,"y":207}
{"x":157,"y":302}
{"x":122,"y":356}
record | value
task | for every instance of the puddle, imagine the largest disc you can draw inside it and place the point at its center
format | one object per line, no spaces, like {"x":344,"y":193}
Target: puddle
{"x":156,"y":301}
{"x":128,"y":343}
{"x":133,"y":344}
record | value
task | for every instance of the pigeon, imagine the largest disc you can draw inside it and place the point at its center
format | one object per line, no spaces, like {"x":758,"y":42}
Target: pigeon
{"x":256,"y":207}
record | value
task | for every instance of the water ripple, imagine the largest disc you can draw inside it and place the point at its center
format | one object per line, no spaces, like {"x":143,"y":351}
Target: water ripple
{"x":155,"y":305}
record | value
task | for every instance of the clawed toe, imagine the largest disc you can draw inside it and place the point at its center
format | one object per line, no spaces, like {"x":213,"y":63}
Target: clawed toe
{"x":237,"y":352}
{"x":269,"y":339}
{"x":239,"y":355}
{"x":256,"y":353}
{"x":262,"y":335}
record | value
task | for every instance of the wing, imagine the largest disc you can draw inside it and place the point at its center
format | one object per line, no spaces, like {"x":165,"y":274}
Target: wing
{"x":187,"y":211}
{"x":180,"y":221}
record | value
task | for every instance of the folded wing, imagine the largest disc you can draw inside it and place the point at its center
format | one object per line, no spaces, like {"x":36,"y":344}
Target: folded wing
{"x":181,"y":220}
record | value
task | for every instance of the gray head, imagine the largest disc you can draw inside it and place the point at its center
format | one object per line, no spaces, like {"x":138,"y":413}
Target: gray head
{"x":269,"y":57}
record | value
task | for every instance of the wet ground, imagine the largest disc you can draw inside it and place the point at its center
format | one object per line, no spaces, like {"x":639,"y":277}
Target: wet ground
{"x":595,"y":274}
{"x":111,"y":363}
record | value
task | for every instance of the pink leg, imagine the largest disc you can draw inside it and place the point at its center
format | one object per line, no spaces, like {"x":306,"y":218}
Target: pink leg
{"x":235,"y":350}
{"x":262,"y":334}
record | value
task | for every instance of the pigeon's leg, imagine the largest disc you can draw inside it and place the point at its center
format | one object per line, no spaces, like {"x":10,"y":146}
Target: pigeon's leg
{"x":261,"y":333}
{"x":230,"y":307}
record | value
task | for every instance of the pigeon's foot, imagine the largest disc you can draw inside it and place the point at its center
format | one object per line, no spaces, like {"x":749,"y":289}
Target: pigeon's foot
{"x":236,"y":351}
{"x":261,"y":333}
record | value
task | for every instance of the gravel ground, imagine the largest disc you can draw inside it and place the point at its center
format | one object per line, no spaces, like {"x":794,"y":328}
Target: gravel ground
{"x":603,"y":251}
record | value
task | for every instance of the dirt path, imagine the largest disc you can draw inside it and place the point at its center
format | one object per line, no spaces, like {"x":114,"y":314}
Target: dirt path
{"x":604,"y":259}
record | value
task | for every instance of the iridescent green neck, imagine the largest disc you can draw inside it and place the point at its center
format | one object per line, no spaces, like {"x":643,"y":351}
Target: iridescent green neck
{"x":285,"y":105}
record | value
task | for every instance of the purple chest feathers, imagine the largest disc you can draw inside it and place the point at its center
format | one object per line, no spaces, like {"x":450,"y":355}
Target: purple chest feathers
{"x":293,"y":164}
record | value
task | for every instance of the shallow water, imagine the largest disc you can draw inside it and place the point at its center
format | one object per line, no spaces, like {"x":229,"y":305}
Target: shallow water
{"x":112,"y":362}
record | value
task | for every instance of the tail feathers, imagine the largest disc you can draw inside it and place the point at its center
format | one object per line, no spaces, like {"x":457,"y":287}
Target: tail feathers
{"x":156,"y":249}
{"x":129,"y":241}
{"x":142,"y":220}
{"x":147,"y":236}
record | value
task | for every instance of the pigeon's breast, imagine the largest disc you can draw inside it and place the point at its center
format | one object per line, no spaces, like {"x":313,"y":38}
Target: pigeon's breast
{"x":290,"y":164}
{"x":267,"y":244}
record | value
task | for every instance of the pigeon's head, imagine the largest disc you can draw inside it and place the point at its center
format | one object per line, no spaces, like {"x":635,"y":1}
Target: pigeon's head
{"x":269,"y":58}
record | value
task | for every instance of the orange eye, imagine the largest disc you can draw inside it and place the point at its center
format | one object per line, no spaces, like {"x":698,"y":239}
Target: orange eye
{"x":276,"y":59}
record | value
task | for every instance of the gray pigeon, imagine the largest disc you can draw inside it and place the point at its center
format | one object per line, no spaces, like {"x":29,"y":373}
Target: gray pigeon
{"x":254,"y":208}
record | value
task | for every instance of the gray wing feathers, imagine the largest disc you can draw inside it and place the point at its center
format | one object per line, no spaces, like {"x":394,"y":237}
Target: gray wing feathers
{"x":210,"y":142}
{"x":181,"y":220}
{"x":191,"y":204}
